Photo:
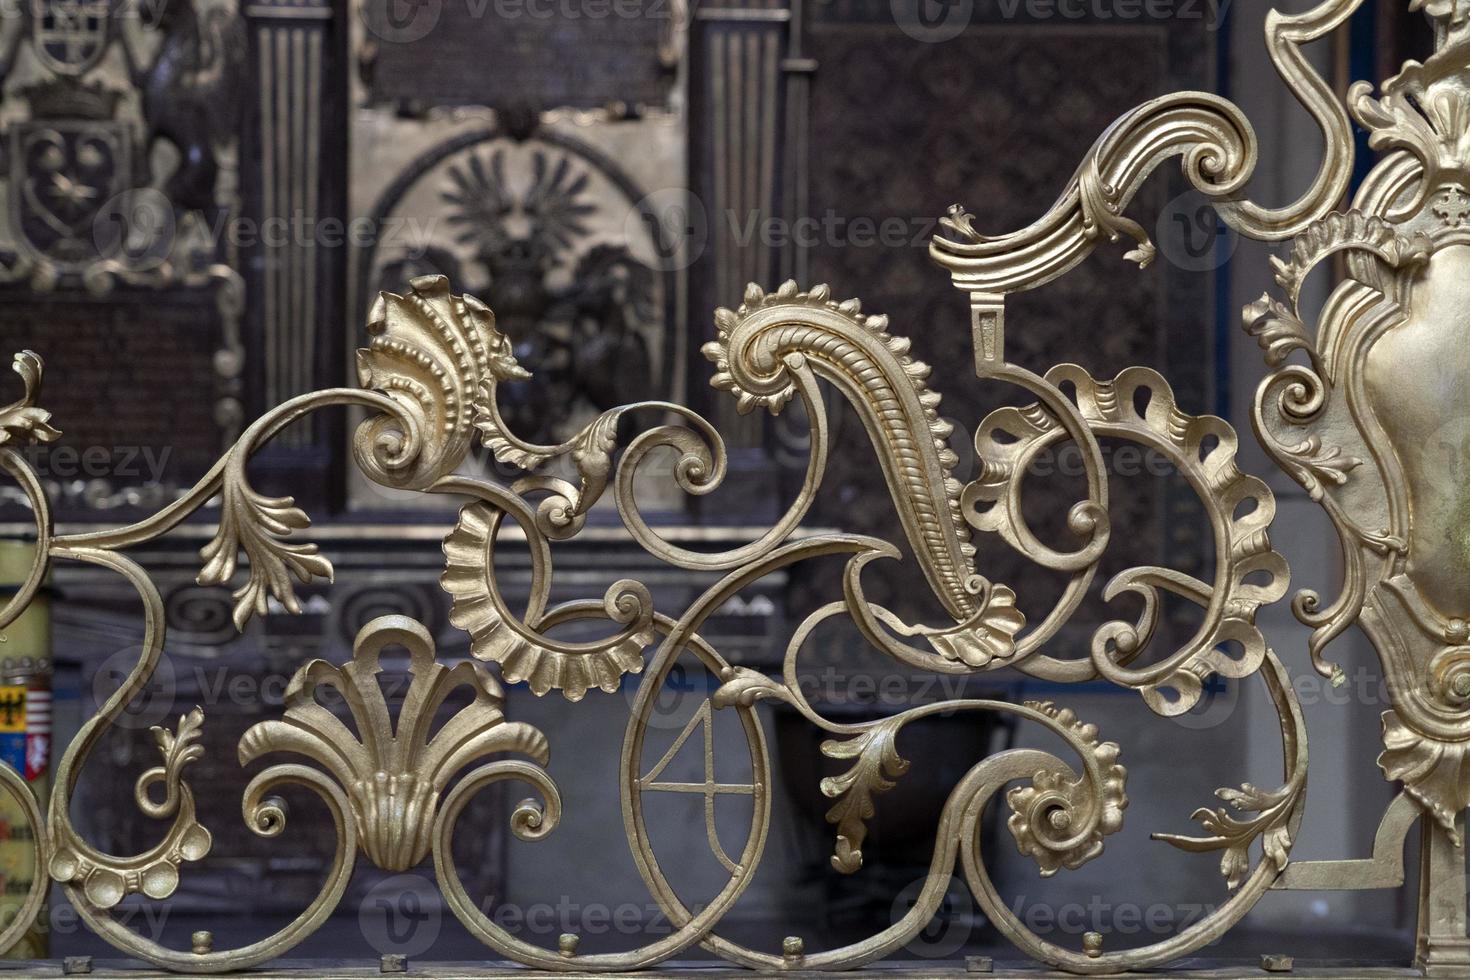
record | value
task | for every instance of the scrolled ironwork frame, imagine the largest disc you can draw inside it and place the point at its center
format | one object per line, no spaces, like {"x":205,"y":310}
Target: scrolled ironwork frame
{"x":430,"y":375}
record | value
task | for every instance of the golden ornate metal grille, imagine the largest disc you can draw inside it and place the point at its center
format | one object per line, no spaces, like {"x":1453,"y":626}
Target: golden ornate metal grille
{"x":1350,"y":410}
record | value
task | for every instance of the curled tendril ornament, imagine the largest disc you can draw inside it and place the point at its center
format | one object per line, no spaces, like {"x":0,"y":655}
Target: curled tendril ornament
{"x":1044,"y":813}
{"x":395,"y":784}
{"x":105,"y":880}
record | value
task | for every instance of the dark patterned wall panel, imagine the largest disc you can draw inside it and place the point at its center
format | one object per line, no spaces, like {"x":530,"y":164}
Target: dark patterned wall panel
{"x":131,"y":378}
{"x":512,"y":52}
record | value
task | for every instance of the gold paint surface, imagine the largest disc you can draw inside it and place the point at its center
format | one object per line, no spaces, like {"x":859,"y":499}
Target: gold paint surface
{"x":1418,"y":376}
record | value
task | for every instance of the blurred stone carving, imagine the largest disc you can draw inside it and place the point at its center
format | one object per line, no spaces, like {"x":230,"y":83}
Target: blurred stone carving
{"x":527,"y":226}
{"x":110,"y":91}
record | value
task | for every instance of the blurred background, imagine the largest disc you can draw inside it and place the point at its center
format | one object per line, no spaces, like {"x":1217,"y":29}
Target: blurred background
{"x":202,"y":199}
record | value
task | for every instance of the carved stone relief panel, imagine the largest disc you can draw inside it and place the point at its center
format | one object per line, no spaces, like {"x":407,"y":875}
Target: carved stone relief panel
{"x":551,"y":223}
{"x":119,"y":172}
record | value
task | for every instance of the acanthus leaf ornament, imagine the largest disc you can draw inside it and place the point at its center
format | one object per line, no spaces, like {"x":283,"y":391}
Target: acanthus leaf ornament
{"x":24,"y":420}
{"x":1319,"y":465}
{"x":1233,"y":835}
{"x":775,"y":339}
{"x":1278,"y":330}
{"x":1434,"y":772}
{"x":434,"y":354}
{"x":877,"y":763}
{"x":259,"y":525}
{"x":394,"y":770}
{"x":1425,"y":111}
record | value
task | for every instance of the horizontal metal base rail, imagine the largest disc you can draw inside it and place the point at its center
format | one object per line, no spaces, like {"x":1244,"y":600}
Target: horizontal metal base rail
{"x":979,"y":968}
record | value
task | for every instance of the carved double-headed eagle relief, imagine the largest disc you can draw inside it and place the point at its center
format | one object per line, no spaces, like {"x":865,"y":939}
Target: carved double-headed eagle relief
{"x":1364,"y":410}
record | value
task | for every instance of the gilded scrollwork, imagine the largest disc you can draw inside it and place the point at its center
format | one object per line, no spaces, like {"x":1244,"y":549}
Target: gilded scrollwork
{"x":1218,"y":152}
{"x":1363,"y":412}
{"x":771,"y":336}
{"x":774,"y":339}
{"x":23,"y":420}
{"x":524,"y":654}
{"x":1422,"y":111}
{"x":1139,"y":405}
{"x":387,"y":781}
{"x":1334,"y":413}
{"x":1304,"y":412}
{"x":431,"y":352}
{"x":93,"y":880}
{"x":1045,"y":812}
